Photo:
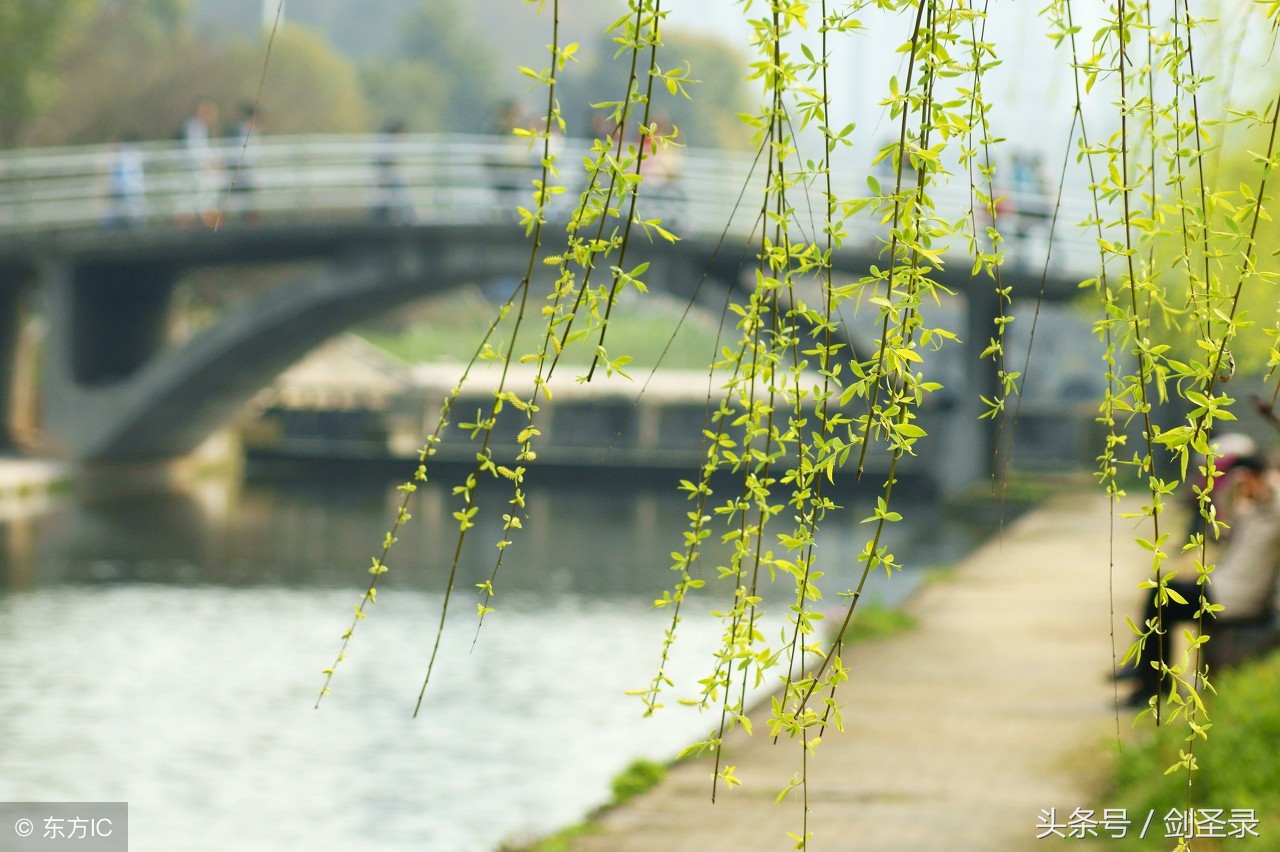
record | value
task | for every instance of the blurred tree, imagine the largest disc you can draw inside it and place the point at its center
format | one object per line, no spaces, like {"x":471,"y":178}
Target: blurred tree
{"x":442,"y":77}
{"x":156,"y":17}
{"x":1236,"y":165}
{"x":310,"y":87}
{"x":128,"y":72}
{"x":31,"y":33}
{"x":137,"y":68}
{"x":411,"y":92}
{"x":721,"y":93}
{"x":360,"y":29}
{"x":708,"y":120}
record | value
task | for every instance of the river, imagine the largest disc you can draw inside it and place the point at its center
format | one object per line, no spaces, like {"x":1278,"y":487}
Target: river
{"x":165,"y":648}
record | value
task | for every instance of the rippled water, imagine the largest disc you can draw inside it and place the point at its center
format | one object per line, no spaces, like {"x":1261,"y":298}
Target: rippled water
{"x":165,"y":649}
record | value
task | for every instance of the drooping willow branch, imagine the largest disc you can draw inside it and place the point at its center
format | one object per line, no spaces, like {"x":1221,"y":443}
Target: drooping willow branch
{"x":777,"y":428}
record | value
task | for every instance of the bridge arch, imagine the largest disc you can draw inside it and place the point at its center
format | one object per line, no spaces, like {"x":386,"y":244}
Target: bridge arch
{"x":112,"y":392}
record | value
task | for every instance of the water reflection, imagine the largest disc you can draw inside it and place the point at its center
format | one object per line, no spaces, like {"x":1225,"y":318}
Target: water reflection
{"x":309,"y":529}
{"x":165,"y":649}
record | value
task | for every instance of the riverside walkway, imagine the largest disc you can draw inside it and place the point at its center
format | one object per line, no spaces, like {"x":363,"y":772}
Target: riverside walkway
{"x":958,"y":733}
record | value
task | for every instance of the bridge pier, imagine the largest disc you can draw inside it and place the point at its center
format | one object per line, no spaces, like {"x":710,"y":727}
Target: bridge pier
{"x":104,"y":323}
{"x":17,"y":361}
{"x":12,"y":289}
{"x":119,"y":319}
{"x":968,"y":451}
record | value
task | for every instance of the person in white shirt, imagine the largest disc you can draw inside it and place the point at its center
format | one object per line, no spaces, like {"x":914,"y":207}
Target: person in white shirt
{"x":203,"y":166}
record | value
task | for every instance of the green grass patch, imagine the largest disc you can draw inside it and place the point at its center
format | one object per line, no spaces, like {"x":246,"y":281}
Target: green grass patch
{"x":938,"y":574}
{"x":876,"y":621}
{"x":451,"y":327}
{"x":1022,"y":488}
{"x":62,"y":485}
{"x":561,"y":841}
{"x":639,"y":777}
{"x":1239,"y":766}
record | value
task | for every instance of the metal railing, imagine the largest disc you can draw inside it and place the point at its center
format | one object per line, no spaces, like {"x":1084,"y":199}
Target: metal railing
{"x":430,"y":178}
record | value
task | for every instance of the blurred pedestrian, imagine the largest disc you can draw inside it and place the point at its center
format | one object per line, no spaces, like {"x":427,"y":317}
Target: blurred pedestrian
{"x":1030,"y":191}
{"x":204,"y":168}
{"x":660,"y":165}
{"x":392,"y":203}
{"x":126,"y":186}
{"x":244,"y":160}
{"x":511,"y":164}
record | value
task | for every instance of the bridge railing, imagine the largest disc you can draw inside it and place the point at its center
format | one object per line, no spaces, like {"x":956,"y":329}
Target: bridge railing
{"x":412,"y":178}
{"x":432,"y":178}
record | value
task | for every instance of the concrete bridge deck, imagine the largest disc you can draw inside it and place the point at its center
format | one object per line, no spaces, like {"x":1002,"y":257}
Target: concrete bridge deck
{"x":957,"y":733}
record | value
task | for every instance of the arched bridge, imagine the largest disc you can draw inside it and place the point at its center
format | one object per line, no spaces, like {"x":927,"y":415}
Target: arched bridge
{"x":101,"y":236}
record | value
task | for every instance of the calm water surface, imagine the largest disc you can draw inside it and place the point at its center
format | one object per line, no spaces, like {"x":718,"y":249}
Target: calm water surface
{"x":165,"y":649}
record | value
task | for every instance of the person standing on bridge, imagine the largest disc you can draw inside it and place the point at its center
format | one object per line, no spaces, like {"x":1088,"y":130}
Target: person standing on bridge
{"x":392,"y":202}
{"x":660,"y":167}
{"x":203,"y":167}
{"x":510,"y":162}
{"x":126,"y":188}
{"x":243,"y":161}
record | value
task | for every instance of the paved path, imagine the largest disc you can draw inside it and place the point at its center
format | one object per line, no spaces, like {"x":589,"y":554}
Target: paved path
{"x":957,"y":733}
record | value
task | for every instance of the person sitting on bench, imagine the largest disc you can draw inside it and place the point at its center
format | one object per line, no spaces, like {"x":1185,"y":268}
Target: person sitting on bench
{"x":1243,"y":583}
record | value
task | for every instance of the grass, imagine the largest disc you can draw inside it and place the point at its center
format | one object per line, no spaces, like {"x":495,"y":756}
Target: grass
{"x":638,"y":778}
{"x":876,"y":621}
{"x":450,"y":328}
{"x":1239,"y":767}
{"x":1021,"y":487}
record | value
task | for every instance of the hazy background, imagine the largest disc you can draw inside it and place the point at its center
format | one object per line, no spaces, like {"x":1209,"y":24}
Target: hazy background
{"x":106,"y":69}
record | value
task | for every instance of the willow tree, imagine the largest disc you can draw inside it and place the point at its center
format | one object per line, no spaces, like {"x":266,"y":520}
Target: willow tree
{"x":784,"y":437}
{"x":30,"y":36}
